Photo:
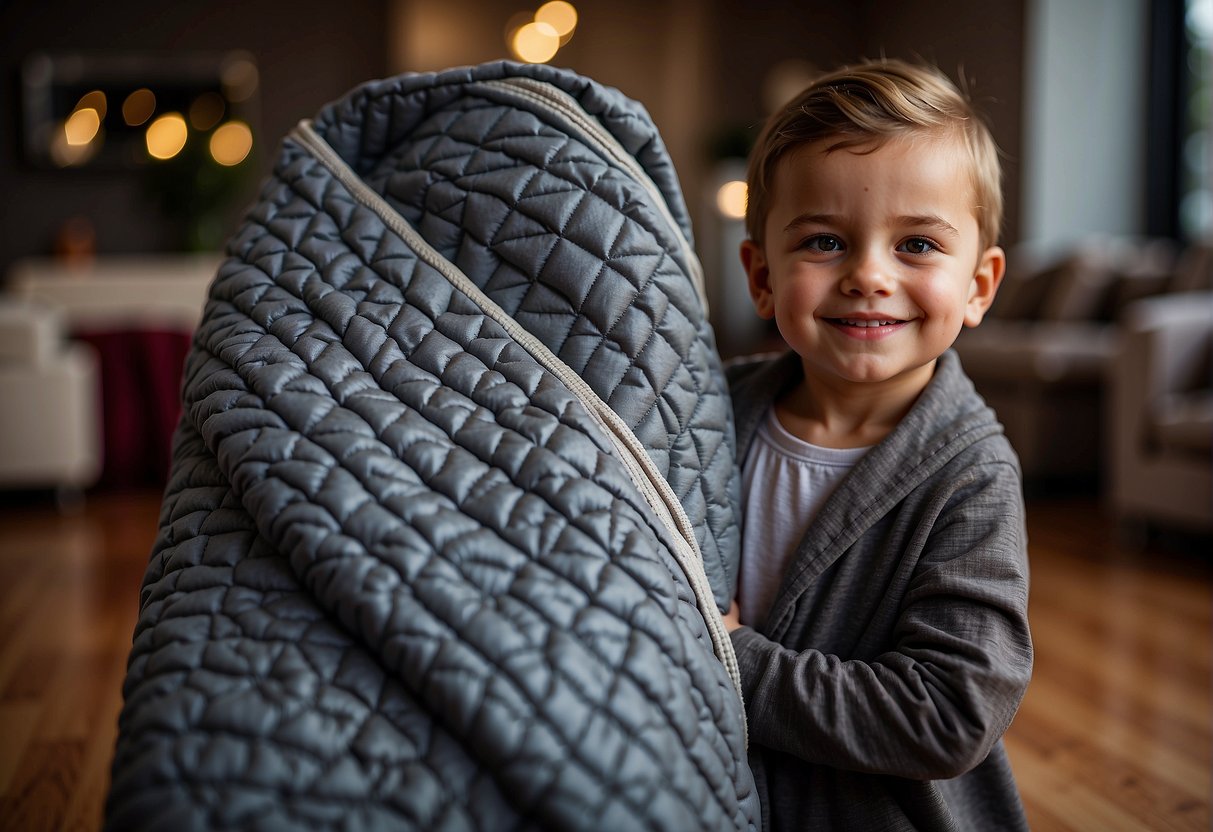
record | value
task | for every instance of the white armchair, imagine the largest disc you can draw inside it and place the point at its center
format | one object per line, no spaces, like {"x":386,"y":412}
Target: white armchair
{"x":49,"y":391}
{"x":1160,"y":422}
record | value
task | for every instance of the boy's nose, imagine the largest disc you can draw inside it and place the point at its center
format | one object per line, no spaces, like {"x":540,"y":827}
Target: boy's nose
{"x":869,"y":274}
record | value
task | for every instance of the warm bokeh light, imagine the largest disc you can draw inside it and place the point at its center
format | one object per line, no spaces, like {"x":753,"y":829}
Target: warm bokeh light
{"x":560,"y":15}
{"x":207,"y":110}
{"x":239,"y":78}
{"x":231,"y":143}
{"x":66,"y":155}
{"x":82,"y":127}
{"x":517,"y":21}
{"x":166,"y":136}
{"x":94,"y":100}
{"x":138,"y":106}
{"x":81,"y":135}
{"x":535,"y":43}
{"x":731,"y":199}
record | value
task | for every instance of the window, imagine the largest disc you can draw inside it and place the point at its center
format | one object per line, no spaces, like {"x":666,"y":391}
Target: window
{"x":1180,"y":143}
{"x":1196,"y":124}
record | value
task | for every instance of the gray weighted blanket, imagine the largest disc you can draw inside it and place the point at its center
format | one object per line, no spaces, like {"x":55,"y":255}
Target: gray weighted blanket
{"x":453,"y":499}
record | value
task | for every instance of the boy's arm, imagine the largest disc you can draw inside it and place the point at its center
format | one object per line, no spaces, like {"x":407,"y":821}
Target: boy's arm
{"x":933,"y":706}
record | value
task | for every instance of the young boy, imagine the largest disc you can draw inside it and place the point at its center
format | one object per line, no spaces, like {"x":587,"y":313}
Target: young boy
{"x":881,"y":623}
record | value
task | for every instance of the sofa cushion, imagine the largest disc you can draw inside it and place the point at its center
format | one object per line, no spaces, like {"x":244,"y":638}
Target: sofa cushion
{"x":1183,"y":423}
{"x":1044,"y":352}
{"x":1092,"y":282}
{"x":1023,"y":293}
{"x":29,"y":333}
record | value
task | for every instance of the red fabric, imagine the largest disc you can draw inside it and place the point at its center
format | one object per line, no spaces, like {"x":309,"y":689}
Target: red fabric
{"x":140,"y":403}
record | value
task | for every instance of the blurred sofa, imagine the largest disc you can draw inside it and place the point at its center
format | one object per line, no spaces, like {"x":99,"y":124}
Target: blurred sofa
{"x":1041,"y":357}
{"x":1160,"y":418}
{"x":137,"y":313}
{"x":49,"y":393}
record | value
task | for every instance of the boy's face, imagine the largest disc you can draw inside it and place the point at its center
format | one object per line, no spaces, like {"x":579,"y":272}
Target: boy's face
{"x":872,"y":260}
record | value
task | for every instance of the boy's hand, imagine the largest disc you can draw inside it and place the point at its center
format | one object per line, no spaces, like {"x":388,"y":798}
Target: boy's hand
{"x":732,"y":618}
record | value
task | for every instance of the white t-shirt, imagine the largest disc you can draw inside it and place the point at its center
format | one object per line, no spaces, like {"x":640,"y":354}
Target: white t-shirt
{"x":784,"y":481}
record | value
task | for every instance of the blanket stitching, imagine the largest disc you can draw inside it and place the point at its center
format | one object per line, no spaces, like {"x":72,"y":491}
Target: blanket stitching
{"x":557,"y":509}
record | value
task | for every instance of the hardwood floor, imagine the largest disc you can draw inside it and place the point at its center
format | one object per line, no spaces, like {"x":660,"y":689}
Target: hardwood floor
{"x":1115,"y":732}
{"x":69,"y":594}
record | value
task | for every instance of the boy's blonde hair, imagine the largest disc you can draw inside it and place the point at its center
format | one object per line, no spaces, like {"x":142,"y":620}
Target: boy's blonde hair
{"x":876,"y":100}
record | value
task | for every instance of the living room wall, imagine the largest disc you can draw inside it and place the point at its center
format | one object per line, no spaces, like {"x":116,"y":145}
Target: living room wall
{"x":699,"y":67}
{"x":308,"y":52}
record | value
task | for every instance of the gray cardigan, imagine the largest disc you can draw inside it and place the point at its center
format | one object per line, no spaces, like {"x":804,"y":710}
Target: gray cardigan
{"x":897,"y":650}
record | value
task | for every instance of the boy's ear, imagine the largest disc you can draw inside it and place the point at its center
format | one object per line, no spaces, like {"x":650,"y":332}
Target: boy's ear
{"x":759,"y":276}
{"x":986,"y":279}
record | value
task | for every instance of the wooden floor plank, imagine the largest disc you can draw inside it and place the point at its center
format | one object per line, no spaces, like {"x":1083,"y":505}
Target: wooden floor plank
{"x":1069,"y":804}
{"x":84,"y":810}
{"x":1104,"y":677}
{"x":20,"y":612}
{"x":39,"y":793}
{"x":1157,"y":785}
{"x":1118,"y":711}
{"x":17,"y":721}
{"x":72,"y":602}
{"x":1108,"y":701}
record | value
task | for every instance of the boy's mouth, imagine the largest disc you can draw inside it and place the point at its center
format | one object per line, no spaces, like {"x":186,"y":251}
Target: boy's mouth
{"x":866,"y":322}
{"x":867,"y":329}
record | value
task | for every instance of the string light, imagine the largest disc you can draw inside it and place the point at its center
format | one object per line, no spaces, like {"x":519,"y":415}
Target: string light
{"x":240,"y":79}
{"x":94,"y":100}
{"x":535,"y":43}
{"x":138,"y":107}
{"x":561,"y":16}
{"x":82,"y":126}
{"x":536,"y":39}
{"x":731,"y":199}
{"x":80,"y":135}
{"x":230,"y":143}
{"x":201,"y":115}
{"x":166,"y":136}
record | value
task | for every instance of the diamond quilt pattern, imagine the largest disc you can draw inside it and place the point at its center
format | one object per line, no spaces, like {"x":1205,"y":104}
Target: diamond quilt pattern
{"x":574,"y":249}
{"x":404,"y":579}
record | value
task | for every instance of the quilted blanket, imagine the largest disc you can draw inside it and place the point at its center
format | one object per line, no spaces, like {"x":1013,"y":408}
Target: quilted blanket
{"x":453,"y":500}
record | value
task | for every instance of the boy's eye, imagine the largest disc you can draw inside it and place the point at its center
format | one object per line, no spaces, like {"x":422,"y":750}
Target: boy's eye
{"x":823,"y":243}
{"x":918,"y":245}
